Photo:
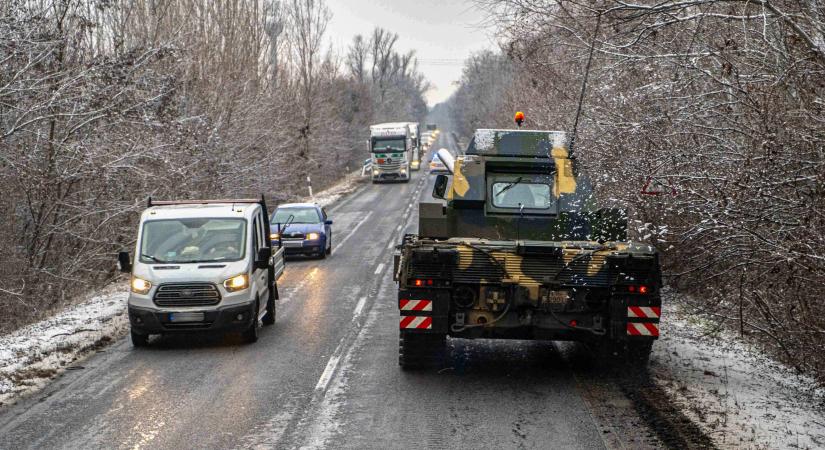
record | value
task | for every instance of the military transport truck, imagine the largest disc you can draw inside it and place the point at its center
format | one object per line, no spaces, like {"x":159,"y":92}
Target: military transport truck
{"x":521,"y":250}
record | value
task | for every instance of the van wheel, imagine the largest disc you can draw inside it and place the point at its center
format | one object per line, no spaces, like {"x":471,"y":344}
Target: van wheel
{"x":269,"y":318}
{"x":251,"y":334}
{"x":140,"y":340}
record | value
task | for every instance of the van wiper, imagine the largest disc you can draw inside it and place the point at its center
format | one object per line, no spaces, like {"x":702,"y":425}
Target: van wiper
{"x":153,"y":258}
{"x":518,"y":180}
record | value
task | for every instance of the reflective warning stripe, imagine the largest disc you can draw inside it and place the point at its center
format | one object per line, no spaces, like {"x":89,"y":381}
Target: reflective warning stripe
{"x":644,"y":312}
{"x":643,"y":329}
{"x":415,"y":305}
{"x":416,"y":323}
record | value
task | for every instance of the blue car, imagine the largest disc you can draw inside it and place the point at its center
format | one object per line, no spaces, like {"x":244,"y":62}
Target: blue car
{"x":304,"y":229}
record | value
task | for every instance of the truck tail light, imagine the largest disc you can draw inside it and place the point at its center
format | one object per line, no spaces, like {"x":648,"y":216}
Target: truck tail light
{"x":639,"y":289}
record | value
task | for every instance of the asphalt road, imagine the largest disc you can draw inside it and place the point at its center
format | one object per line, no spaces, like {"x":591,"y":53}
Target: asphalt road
{"x":326,"y":375}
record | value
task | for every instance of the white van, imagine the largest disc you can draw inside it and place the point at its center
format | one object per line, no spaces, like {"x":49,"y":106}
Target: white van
{"x":202,"y":266}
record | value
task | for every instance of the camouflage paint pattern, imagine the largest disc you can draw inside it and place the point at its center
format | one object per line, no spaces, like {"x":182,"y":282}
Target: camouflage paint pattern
{"x":532,"y":255}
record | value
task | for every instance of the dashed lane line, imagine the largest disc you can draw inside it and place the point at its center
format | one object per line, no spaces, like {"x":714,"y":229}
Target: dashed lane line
{"x":379,"y":268}
{"x":323,"y":382}
{"x":359,"y":307}
{"x":355,"y":229}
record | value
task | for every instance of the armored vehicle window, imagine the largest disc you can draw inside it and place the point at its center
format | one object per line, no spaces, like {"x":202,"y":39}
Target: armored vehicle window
{"x":516,"y":194}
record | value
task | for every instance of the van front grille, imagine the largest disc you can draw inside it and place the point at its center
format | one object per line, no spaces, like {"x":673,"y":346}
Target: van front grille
{"x":187,"y":294}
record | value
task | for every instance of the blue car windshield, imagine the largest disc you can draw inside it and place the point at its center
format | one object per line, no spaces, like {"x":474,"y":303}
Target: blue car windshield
{"x":299,"y":215}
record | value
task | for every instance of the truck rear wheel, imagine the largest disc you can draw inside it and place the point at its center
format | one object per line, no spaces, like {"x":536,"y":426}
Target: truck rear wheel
{"x":420,"y":351}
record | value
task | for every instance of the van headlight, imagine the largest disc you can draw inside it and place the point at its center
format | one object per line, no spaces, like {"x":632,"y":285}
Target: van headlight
{"x":237,"y":283}
{"x":313,"y":236}
{"x":140,"y":286}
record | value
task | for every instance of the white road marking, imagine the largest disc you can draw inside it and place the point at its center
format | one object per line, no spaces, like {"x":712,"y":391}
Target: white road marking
{"x":321,"y":424}
{"x":392,"y":244}
{"x":399,"y":228}
{"x":360,"y":306}
{"x":327,"y":374}
{"x":355,"y":229}
{"x":379,"y":268}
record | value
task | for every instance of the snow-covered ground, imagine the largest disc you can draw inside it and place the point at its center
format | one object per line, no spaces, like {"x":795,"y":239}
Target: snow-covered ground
{"x":344,"y":187}
{"x":740,"y":397}
{"x":33,"y":355}
{"x":737,"y":395}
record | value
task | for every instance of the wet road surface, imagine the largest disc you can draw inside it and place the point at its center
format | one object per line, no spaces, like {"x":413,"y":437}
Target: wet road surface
{"x":325,"y":375}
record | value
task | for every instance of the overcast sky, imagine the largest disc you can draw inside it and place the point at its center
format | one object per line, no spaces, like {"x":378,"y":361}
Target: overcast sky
{"x":442,"y":32}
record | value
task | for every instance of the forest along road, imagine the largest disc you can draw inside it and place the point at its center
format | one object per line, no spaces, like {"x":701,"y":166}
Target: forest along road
{"x":326,"y":375}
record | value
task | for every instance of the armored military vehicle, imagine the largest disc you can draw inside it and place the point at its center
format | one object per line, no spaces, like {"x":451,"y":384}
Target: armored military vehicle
{"x":522,"y":250}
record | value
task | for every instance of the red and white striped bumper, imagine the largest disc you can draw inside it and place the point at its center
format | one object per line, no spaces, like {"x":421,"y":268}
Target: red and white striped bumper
{"x":643,"y":329}
{"x":415,"y":305}
{"x":644,"y":312}
{"x":416,"y":323}
{"x":649,"y":327}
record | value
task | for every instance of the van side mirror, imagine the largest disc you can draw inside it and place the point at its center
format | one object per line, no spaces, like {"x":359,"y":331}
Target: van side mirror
{"x":262,"y":261}
{"x":124,"y":261}
{"x":440,"y":187}
{"x":328,"y":222}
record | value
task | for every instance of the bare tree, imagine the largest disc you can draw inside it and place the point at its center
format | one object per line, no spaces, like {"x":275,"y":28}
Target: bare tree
{"x":103,"y":104}
{"x":720,"y":100}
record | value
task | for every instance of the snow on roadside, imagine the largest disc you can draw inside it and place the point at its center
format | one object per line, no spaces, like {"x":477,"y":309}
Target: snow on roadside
{"x":344,"y":187}
{"x":32,"y":355}
{"x":740,"y":397}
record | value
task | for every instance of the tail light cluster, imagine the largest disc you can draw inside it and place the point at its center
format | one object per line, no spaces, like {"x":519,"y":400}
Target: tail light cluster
{"x":427,"y":282}
{"x":639,"y":289}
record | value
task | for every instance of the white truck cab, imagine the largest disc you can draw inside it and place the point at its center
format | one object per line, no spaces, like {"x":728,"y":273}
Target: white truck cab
{"x":202,"y":266}
{"x":390,"y":147}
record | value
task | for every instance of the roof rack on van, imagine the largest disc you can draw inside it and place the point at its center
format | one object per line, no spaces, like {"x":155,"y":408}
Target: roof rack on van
{"x":205,"y":202}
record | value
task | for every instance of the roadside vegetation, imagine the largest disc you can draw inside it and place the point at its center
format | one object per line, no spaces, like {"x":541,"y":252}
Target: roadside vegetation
{"x":103,"y":104}
{"x":721,"y":105}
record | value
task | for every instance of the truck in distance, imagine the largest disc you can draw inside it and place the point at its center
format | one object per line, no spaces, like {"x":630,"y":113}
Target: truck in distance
{"x":415,"y":163}
{"x":521,"y":250}
{"x":202,"y":266}
{"x":390,"y":147}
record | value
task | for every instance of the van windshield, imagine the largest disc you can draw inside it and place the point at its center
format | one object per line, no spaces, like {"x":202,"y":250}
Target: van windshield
{"x":199,"y":240}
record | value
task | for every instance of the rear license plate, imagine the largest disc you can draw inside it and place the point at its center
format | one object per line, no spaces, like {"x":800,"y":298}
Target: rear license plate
{"x":186,"y":317}
{"x":558,"y":297}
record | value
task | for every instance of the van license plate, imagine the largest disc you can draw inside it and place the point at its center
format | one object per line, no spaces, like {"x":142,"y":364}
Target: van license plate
{"x":186,"y":317}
